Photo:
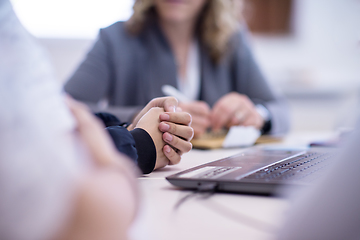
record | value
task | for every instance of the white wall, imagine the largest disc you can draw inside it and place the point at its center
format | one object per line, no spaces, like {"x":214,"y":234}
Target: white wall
{"x":66,"y":54}
{"x":322,"y":55}
{"x":70,"y":18}
{"x":318,"y":66}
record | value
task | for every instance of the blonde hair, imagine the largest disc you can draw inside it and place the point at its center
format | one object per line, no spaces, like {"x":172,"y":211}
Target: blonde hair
{"x":217,"y":23}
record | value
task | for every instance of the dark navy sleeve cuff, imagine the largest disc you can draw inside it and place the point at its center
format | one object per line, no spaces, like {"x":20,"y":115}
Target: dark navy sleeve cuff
{"x":123,"y":141}
{"x":146,"y":150}
{"x":108,"y":119}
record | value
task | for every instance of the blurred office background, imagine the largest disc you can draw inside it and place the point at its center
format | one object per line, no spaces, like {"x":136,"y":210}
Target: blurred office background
{"x":308,"y":49}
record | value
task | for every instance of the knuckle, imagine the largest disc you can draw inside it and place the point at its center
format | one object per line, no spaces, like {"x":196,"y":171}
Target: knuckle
{"x":173,"y":128}
{"x":173,"y":157}
{"x":188,"y":147}
{"x":188,"y":118}
{"x":174,"y":116}
{"x":175,"y":140}
{"x":173,"y":99}
{"x":176,"y":160}
{"x":153,"y":102}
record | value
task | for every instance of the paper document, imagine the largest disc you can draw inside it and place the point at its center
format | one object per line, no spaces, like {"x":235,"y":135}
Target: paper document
{"x":240,"y":136}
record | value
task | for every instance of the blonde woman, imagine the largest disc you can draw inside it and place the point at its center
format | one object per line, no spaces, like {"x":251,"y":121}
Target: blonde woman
{"x":198,"y":47}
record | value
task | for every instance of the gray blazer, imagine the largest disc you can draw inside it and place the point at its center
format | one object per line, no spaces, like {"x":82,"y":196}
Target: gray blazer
{"x":129,"y":71}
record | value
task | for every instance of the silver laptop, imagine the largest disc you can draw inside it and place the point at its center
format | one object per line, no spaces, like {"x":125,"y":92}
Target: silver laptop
{"x":257,"y":171}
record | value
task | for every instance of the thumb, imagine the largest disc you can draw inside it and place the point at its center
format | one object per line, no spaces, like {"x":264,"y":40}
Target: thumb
{"x":168,"y":103}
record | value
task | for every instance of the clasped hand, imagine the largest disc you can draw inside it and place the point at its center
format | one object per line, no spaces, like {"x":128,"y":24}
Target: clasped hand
{"x":168,"y":127}
{"x":231,"y":110}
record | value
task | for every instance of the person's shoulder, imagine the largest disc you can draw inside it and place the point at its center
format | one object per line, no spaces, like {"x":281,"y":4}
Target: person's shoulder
{"x":118,"y":33}
{"x":241,"y":36}
{"x":117,"y":28}
{"x":240,"y":42}
{"x":120,"y":25}
{"x":117,"y":36}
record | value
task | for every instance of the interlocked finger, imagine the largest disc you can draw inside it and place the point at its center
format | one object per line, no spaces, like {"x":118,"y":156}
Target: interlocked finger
{"x":182,"y":145}
{"x":181,"y":131}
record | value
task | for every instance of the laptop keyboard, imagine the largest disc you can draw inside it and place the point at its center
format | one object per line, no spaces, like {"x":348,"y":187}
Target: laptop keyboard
{"x":298,"y":167}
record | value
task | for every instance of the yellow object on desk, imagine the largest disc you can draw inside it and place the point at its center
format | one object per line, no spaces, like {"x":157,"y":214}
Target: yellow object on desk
{"x":214,"y":140}
{"x":210,"y":140}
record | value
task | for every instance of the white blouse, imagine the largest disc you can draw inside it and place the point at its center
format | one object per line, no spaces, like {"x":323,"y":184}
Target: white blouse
{"x":190,"y":84}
